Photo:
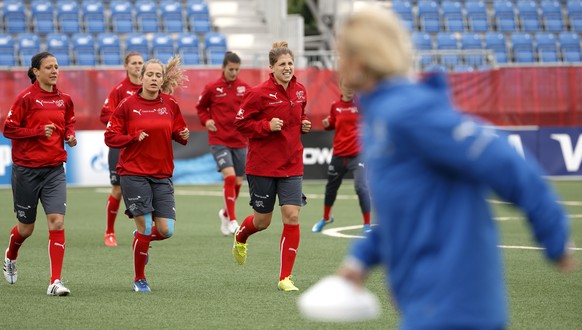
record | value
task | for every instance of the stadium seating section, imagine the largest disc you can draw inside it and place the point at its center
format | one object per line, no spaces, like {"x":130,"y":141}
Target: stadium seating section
{"x":450,"y":35}
{"x":91,"y":32}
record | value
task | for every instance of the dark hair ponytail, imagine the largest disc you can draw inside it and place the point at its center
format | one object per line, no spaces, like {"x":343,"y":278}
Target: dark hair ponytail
{"x":35,"y":64}
{"x":230,"y":57}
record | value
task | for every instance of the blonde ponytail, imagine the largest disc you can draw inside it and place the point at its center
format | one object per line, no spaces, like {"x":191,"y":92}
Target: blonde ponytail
{"x":175,"y":75}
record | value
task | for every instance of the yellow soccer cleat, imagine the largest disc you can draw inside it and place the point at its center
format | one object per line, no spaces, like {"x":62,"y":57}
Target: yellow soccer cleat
{"x":287,"y":285}
{"x":239,"y":251}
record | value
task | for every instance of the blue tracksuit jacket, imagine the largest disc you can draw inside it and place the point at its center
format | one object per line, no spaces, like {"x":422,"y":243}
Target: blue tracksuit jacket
{"x":430,"y":170}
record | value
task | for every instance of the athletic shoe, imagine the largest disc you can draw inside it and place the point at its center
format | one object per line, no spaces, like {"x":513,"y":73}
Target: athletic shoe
{"x":287,"y":285}
{"x":57,"y":289}
{"x":239,"y":251}
{"x":110,"y":239}
{"x":141,"y":286}
{"x":366,"y":229}
{"x":148,"y":257}
{"x":10,"y":273}
{"x":223,"y":223}
{"x":232,"y":226}
{"x":317,"y":227}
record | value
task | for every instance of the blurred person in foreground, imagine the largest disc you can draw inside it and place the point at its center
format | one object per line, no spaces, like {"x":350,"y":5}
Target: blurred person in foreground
{"x":430,"y":170}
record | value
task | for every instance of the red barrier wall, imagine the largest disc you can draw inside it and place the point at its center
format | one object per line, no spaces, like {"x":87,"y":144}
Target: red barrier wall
{"x":544,"y":96}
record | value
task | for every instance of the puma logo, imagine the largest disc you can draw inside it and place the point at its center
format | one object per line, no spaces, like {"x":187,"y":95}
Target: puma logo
{"x":274,"y":96}
{"x":59,"y":244}
{"x":220,"y":89}
{"x":137,"y":111}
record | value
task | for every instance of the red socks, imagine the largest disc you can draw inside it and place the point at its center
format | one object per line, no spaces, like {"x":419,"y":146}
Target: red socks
{"x":247,"y":228}
{"x":111,"y":207}
{"x":141,"y":245}
{"x":288,"y":246}
{"x":366,"y":218}
{"x":56,"y":247}
{"x":230,"y":196}
{"x":14,"y":244}
{"x":326,"y":212}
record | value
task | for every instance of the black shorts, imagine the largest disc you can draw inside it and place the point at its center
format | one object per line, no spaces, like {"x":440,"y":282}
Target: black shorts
{"x":263,"y":190}
{"x":113,"y":159}
{"x":49,"y":184}
{"x":144,"y":194}
{"x":229,"y":157}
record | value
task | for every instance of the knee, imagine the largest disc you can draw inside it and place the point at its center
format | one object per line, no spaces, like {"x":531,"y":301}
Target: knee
{"x":291,"y":219}
{"x":262,"y":221}
{"x":56,"y":221}
{"x":169,"y":231}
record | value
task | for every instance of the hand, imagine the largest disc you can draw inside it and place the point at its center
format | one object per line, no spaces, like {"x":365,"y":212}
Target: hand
{"x":185,"y":134}
{"x":276,"y":124}
{"x":71,"y":141}
{"x":48,"y":129}
{"x":142,"y":135}
{"x":325,"y":122}
{"x":567,"y":263}
{"x":352,"y":274}
{"x":210,"y":125}
{"x":305,"y":126}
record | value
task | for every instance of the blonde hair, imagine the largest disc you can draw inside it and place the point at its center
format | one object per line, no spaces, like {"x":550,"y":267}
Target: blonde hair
{"x":173,"y":75}
{"x":379,"y":40}
{"x":279,"y":48}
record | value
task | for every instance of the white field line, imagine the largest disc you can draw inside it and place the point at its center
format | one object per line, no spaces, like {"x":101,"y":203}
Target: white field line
{"x":336,"y":232}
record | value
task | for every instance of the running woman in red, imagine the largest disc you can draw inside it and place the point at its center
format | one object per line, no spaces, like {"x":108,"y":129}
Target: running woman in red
{"x":272,"y":115}
{"x":144,"y":125}
{"x":344,"y":117}
{"x":217,"y":107}
{"x":130,"y":85}
{"x":40,"y":121}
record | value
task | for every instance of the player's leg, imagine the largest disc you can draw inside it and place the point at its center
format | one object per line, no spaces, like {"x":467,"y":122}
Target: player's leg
{"x":238,"y":159}
{"x":223,"y":158}
{"x":335,"y":172}
{"x":361,"y":186}
{"x":165,"y":209}
{"x":114,"y":199}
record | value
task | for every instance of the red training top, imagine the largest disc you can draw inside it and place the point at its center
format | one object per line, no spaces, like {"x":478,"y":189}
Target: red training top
{"x":124,"y":89}
{"x":344,"y":118}
{"x":220,"y":101}
{"x":280,"y":153}
{"x":161,"y":119}
{"x":31,"y":111}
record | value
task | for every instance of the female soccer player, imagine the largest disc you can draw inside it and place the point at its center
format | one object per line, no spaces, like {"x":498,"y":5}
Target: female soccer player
{"x":272,"y":115}
{"x":39,"y":123}
{"x":144,"y":125}
{"x":344,"y":117}
{"x":217,"y":107}
{"x":431,"y":169}
{"x":129,"y":86}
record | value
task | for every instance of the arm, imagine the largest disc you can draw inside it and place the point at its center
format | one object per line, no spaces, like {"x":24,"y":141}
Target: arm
{"x":330,"y":120}
{"x":70,"y":125}
{"x":13,"y":122}
{"x":203,"y":106}
{"x":362,"y":257}
{"x":109,"y":106}
{"x":247,"y":121}
{"x":116,"y":133}
{"x":305,"y":122}
{"x":180,"y":132}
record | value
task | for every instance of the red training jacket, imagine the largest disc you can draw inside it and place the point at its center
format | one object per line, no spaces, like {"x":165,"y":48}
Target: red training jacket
{"x":220,"y":101}
{"x":273,"y":154}
{"x":31,"y":111}
{"x":344,"y":117}
{"x":161,"y":119}
{"x":124,"y":89}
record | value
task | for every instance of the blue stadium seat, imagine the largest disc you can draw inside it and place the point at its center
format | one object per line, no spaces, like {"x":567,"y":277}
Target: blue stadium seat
{"x":574,"y":10}
{"x":14,"y":16}
{"x":452,"y":13}
{"x":460,"y":68}
{"x":68,"y":17}
{"x":472,"y":41}
{"x":477,"y":18}
{"x":552,"y":16}
{"x":547,"y":49}
{"x":84,"y":49}
{"x":522,"y":46}
{"x":448,"y":41}
{"x":528,"y":12}
{"x":505,"y":15}
{"x":139,"y":43}
{"x":7,"y":51}
{"x":146,"y":16}
{"x":188,"y":48}
{"x":28,"y":46}
{"x":121,"y":16}
{"x":58,"y":44}
{"x":109,"y":48}
{"x":214,"y":47}
{"x":163,"y":46}
{"x":404,"y":10}
{"x":171,"y":13}
{"x":93,"y":16}
{"x":428,"y":15}
{"x":570,"y":46}
{"x":198,"y":16}
{"x":496,"y":42}
{"x":435,"y":68}
{"x":42,"y":15}
{"x":422,"y":41}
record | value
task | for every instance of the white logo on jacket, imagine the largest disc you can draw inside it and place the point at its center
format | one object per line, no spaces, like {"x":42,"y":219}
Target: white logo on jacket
{"x":241,"y":89}
{"x":240,"y":114}
{"x":58,"y":103}
{"x":300,"y":95}
{"x":274,"y":96}
{"x":220,"y":89}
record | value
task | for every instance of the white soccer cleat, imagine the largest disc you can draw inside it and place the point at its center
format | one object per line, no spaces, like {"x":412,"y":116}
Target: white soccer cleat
{"x":10,"y":273}
{"x":232,"y":226}
{"x":224,"y":229}
{"x":57,"y":289}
